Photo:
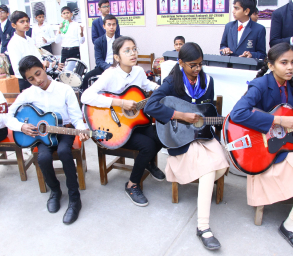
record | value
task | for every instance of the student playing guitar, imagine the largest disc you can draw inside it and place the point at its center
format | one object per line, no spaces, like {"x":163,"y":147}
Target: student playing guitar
{"x":52,"y":96}
{"x":264,"y":93}
{"x":116,"y":79}
{"x":203,"y":160}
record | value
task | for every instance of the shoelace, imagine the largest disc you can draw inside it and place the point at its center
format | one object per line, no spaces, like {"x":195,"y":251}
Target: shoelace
{"x":136,"y":190}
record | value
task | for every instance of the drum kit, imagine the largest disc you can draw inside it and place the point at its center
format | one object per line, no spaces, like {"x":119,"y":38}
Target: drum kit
{"x":157,"y":66}
{"x":72,"y":72}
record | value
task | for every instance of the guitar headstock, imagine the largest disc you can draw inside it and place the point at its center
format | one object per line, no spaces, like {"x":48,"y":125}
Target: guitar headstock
{"x":100,"y":135}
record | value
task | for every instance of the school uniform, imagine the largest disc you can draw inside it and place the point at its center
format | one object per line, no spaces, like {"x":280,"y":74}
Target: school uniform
{"x":70,"y":42}
{"x":98,"y":30}
{"x":6,"y":32}
{"x":143,"y":139}
{"x":58,"y":97}
{"x":252,"y":39}
{"x":104,"y":58}
{"x":3,"y":116}
{"x":281,"y":25}
{"x":43,"y":31}
{"x":19,"y":47}
{"x":275,"y":184}
{"x":190,"y":162}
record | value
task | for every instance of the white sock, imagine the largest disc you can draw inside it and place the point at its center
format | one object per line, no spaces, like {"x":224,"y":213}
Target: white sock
{"x":288,"y":223}
{"x":205,"y":191}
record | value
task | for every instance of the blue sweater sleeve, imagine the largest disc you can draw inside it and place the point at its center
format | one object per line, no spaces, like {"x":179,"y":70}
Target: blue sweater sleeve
{"x":157,"y":110}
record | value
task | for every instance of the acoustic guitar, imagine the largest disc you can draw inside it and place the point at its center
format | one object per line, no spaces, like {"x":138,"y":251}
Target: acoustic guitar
{"x":118,"y":121}
{"x":254,"y":152}
{"x":177,"y":133}
{"x":48,"y":126}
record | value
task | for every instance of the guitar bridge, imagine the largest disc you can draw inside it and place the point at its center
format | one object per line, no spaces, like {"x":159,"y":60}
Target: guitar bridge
{"x":246,"y":143}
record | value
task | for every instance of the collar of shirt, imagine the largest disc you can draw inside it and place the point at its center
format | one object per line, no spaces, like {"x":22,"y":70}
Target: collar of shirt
{"x":110,"y":39}
{"x":280,"y":85}
{"x":3,"y":24}
{"x":123,"y":73}
{"x":244,"y":24}
{"x":20,"y":37}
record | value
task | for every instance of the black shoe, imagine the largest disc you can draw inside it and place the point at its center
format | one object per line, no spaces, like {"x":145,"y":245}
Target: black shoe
{"x":53,"y":203}
{"x":210,"y":243}
{"x":72,"y":212}
{"x":136,"y":196}
{"x":288,"y":235}
{"x":155,"y":172}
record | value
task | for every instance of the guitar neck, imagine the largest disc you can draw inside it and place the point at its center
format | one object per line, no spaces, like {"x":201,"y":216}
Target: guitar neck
{"x":140,"y":105}
{"x":67,"y":131}
{"x":213,"y":120}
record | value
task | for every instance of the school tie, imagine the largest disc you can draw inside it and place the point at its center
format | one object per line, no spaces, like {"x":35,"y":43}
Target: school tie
{"x":240,"y":27}
{"x":283,"y":95}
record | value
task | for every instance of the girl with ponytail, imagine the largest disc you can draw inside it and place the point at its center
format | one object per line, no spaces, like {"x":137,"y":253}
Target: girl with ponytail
{"x":203,"y":160}
{"x":265,"y":92}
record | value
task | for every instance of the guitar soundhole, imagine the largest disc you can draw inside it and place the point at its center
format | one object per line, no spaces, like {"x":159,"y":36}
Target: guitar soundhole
{"x":130,"y":113}
{"x":42,"y":128}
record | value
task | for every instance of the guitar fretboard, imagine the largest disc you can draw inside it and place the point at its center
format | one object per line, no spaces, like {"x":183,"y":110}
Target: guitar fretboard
{"x":213,"y":120}
{"x":67,"y":131}
{"x":140,"y":105}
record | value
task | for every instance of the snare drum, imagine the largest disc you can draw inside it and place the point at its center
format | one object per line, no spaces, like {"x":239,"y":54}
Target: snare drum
{"x":92,"y":80}
{"x":157,"y":65}
{"x":72,"y":73}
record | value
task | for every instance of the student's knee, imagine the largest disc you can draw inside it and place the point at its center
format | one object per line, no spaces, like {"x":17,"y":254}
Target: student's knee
{"x":220,"y":173}
{"x":44,"y":158}
{"x":64,"y":152}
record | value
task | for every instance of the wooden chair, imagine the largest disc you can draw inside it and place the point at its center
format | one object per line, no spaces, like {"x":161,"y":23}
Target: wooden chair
{"x":117,"y":163}
{"x":8,"y":144}
{"x":78,"y":153}
{"x":220,"y":182}
{"x":259,"y":210}
{"x":142,"y":59}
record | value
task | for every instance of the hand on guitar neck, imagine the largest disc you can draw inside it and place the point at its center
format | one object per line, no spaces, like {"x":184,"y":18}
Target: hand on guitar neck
{"x":125,"y":104}
{"x":31,"y":130}
{"x":187,"y":117}
{"x":285,"y":121}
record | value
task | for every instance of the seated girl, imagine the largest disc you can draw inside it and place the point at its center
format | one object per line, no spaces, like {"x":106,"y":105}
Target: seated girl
{"x":265,"y":92}
{"x":201,"y":159}
{"x":116,"y":79}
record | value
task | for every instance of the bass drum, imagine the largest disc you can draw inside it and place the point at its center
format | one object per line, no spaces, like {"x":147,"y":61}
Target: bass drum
{"x":157,"y":66}
{"x":73,"y":72}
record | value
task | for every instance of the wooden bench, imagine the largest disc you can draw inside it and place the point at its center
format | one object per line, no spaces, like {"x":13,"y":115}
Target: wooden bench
{"x":78,"y":153}
{"x":8,"y":144}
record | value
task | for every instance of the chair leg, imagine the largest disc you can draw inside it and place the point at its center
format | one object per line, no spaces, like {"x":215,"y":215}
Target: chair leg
{"x":121,"y":160}
{"x":20,"y":162}
{"x":220,"y":190}
{"x":175,"y":192}
{"x":103,"y":168}
{"x":80,"y":171}
{"x":84,"y":159}
{"x":42,"y":184}
{"x":258,"y":215}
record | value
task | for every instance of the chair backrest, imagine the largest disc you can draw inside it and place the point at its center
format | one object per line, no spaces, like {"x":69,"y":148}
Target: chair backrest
{"x":146,"y":59}
{"x":219,"y":106}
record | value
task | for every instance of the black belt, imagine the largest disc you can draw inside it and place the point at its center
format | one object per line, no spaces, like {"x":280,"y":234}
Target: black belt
{"x":70,"y":48}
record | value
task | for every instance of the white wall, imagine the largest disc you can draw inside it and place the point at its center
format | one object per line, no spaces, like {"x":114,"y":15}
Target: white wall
{"x":158,"y":39}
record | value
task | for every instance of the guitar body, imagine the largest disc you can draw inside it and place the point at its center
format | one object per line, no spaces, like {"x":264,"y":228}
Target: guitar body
{"x":176,"y":134}
{"x":101,"y":118}
{"x":255,"y":152}
{"x":30,"y":114}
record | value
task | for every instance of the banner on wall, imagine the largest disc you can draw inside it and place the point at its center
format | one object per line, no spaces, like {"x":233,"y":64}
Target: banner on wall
{"x":128,"y":12}
{"x":192,"y":12}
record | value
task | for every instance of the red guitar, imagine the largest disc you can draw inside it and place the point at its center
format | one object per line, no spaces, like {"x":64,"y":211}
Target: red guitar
{"x":253,"y":152}
{"x":116,"y":120}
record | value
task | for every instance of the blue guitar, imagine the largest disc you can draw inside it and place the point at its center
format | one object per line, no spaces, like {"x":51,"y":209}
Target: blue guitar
{"x":48,"y":126}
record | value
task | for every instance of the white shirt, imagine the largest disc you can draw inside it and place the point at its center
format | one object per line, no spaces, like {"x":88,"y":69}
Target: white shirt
{"x":109,"y":56}
{"x":58,"y":98}
{"x":72,"y":37}
{"x":19,"y":47}
{"x":2,"y":115}
{"x":115,"y":80}
{"x":3,"y":25}
{"x":241,"y":31}
{"x":45,"y":31}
